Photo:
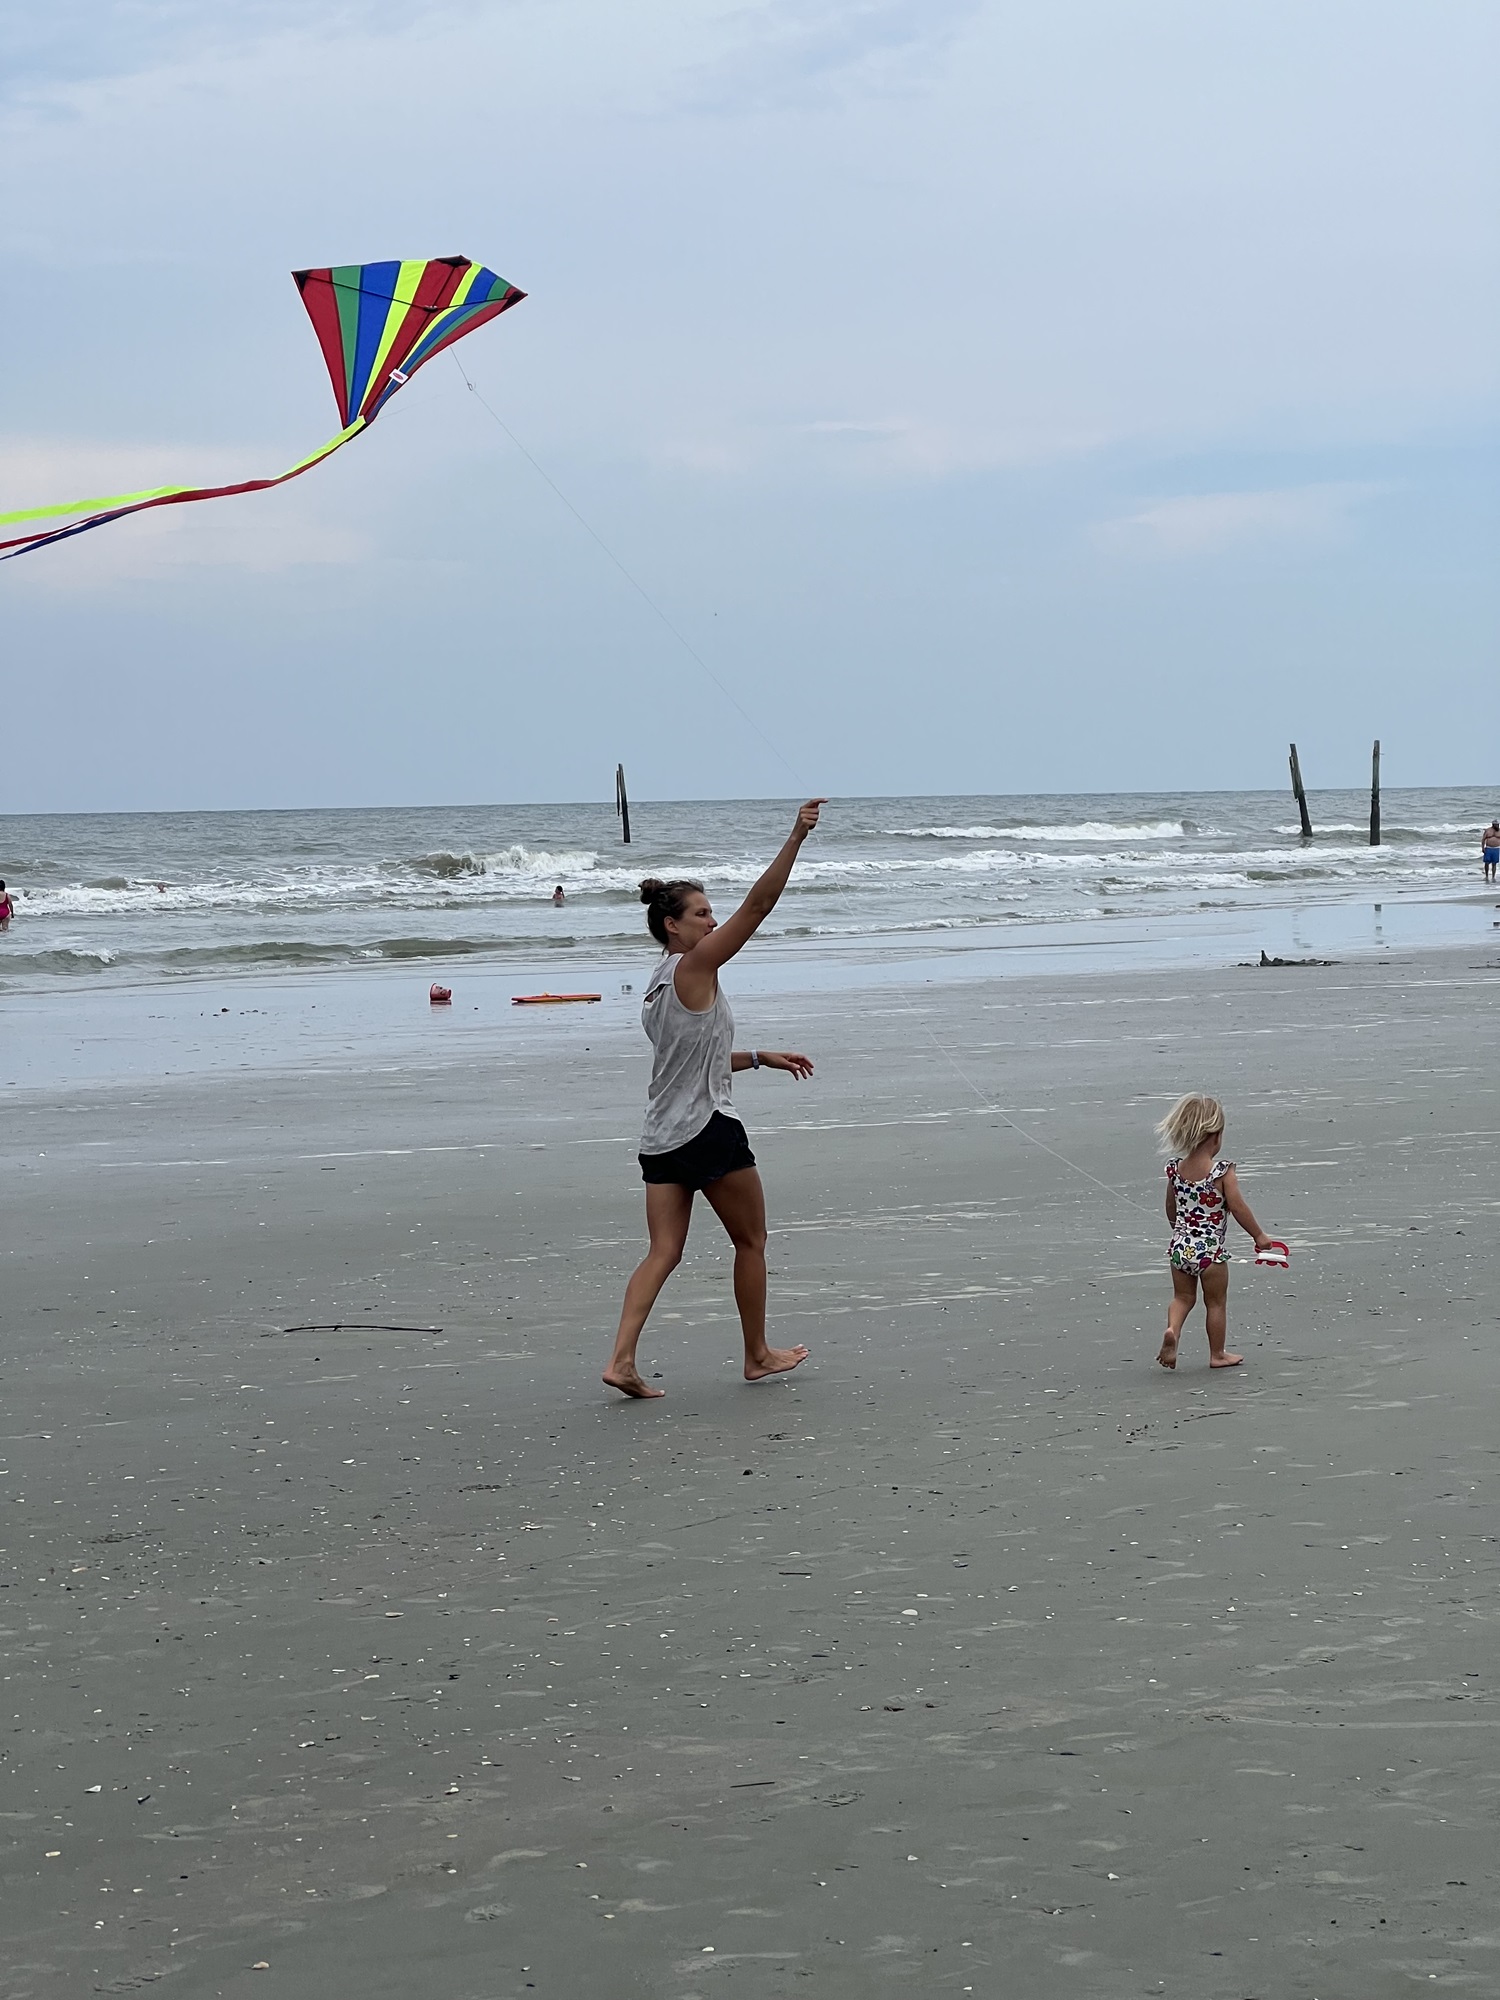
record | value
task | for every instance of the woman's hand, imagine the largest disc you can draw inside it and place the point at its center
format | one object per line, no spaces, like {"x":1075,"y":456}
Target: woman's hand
{"x":807,"y":818}
{"x":795,"y":1065}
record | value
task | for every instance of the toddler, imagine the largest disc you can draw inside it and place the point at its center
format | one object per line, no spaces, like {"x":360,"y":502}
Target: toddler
{"x":1202,"y":1193}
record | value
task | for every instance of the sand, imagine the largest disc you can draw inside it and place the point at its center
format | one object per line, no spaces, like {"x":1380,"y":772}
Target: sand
{"x":981,"y":1655}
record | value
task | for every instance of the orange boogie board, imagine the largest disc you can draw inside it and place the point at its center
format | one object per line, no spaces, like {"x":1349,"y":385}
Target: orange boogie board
{"x":552,"y":999}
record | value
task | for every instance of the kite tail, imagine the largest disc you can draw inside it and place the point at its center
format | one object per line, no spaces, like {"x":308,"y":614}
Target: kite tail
{"x":114,"y":507}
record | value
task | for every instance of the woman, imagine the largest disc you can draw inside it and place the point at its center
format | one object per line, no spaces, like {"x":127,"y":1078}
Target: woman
{"x":692,"y":1139}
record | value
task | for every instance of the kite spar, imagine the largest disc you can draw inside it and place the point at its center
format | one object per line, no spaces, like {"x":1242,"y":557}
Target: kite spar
{"x":376,"y":323}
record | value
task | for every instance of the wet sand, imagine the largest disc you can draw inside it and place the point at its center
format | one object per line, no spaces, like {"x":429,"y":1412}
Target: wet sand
{"x":980,"y":1655}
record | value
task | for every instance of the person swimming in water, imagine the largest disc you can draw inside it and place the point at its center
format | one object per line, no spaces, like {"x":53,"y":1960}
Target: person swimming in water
{"x":7,"y":908}
{"x":558,"y":898}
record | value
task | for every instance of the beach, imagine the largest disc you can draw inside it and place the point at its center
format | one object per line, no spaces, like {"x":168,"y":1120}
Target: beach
{"x":989,"y":512}
{"x":980,"y":1655}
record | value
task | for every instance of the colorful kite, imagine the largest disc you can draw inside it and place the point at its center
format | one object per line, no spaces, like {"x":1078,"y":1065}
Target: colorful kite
{"x":376,"y":323}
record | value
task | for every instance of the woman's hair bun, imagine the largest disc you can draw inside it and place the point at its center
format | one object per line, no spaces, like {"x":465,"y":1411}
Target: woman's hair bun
{"x":651,"y":888}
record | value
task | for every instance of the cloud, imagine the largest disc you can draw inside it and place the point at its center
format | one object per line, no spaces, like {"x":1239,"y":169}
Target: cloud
{"x":859,"y":451}
{"x":924,"y":448}
{"x":1056,"y":236}
{"x":791,"y":50}
{"x":76,"y":39}
{"x":240,"y":533}
{"x":1207,"y":524}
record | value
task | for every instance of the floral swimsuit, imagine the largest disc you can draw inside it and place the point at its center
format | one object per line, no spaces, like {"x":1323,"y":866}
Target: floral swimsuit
{"x":1202,"y":1220}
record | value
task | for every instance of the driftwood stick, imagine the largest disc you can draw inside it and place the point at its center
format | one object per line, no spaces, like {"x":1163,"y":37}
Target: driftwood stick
{"x":356,"y":1326}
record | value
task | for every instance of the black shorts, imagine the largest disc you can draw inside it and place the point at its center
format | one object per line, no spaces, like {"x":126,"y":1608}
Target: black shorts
{"x":720,"y":1148}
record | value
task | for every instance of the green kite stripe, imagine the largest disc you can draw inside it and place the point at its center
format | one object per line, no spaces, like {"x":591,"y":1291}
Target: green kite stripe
{"x":104,"y":502}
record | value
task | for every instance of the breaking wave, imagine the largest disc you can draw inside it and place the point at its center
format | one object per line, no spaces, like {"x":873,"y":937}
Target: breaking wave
{"x":1096,"y":830}
{"x":528,"y":863}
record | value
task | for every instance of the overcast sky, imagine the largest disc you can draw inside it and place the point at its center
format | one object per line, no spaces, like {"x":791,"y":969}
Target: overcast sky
{"x":997,"y":396}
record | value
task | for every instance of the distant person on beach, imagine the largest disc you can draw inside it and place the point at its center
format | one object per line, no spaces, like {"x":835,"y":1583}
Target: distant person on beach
{"x":693,"y":1142}
{"x":1201,"y":1197}
{"x":558,"y":898}
{"x":7,"y":908}
{"x":1489,"y":848}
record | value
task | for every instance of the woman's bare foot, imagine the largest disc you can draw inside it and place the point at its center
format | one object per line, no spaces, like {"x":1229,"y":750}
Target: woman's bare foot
{"x":1168,"y":1354}
{"x":628,"y":1381}
{"x":1225,"y":1360}
{"x":775,"y":1361}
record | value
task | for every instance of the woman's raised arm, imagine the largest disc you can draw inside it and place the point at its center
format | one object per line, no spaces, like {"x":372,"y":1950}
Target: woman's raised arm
{"x":703,"y":961}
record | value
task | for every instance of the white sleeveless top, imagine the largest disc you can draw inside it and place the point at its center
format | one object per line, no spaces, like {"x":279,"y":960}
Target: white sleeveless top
{"x":690,"y":1078}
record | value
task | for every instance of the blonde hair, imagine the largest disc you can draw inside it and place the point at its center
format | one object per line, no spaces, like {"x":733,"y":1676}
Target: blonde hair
{"x":1190,"y":1121}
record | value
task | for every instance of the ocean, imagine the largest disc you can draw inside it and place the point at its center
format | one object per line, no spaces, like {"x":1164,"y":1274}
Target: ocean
{"x":124,"y":898}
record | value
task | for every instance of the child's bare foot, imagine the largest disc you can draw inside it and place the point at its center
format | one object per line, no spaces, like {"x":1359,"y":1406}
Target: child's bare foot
{"x":1225,"y":1360}
{"x":628,"y":1381}
{"x":1168,"y":1354}
{"x":775,"y":1361}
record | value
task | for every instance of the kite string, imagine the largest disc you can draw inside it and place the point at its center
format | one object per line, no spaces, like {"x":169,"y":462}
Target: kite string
{"x":636,"y":585}
{"x":983,"y":1096}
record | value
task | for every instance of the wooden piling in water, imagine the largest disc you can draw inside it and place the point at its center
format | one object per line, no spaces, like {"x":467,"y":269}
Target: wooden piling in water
{"x":1375,"y":796}
{"x":622,"y":802}
{"x":1300,"y":796}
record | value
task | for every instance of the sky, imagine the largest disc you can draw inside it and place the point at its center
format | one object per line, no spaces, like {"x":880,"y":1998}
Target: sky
{"x":911,"y":396}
